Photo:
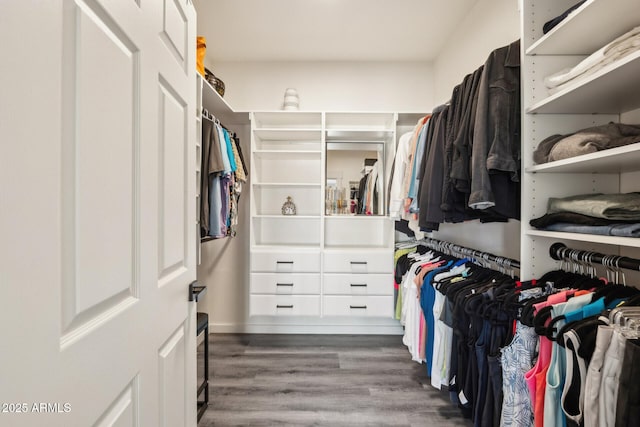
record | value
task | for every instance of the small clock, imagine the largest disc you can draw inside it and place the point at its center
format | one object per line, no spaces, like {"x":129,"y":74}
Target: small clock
{"x":288,"y":208}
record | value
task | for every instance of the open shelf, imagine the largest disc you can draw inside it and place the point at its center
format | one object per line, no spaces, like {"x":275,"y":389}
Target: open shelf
{"x":286,"y":184}
{"x":360,"y":121}
{"x":358,"y":135}
{"x":576,"y":34}
{"x":287,"y":154}
{"x":268,"y":200}
{"x":215,"y":104}
{"x":357,"y":231}
{"x":288,"y":120}
{"x":275,"y":246}
{"x":614,"y":160}
{"x":631,"y":242}
{"x":613,"y":89}
{"x":286,"y":230}
{"x":288,"y":217}
{"x":298,"y":135}
{"x":288,"y":139}
{"x":354,"y":217}
{"x":287,"y":168}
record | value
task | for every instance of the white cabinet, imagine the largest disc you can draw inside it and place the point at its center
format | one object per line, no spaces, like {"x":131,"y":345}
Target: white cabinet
{"x":285,"y":261}
{"x":285,"y":305}
{"x":358,"y":306}
{"x":285,"y":284}
{"x":358,"y":284}
{"x":358,"y":261}
{"x":320,"y":263}
{"x":610,"y":94}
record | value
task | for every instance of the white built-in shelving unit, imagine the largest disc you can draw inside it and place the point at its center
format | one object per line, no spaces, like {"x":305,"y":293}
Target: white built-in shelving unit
{"x":317,"y":268}
{"x":610,"y":94}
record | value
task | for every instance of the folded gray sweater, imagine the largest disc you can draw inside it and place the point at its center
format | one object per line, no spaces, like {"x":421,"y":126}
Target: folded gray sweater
{"x":617,"y":206}
{"x":590,"y":140}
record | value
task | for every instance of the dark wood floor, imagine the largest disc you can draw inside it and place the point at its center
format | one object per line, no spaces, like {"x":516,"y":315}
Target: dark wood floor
{"x":320,"y":380}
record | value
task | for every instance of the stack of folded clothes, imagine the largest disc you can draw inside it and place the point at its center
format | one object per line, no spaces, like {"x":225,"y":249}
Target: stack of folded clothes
{"x":624,"y":45}
{"x":585,"y":141}
{"x":603,"y":214}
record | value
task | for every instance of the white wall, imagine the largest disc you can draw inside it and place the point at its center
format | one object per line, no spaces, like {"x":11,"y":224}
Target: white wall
{"x":490,"y":24}
{"x":328,"y":86}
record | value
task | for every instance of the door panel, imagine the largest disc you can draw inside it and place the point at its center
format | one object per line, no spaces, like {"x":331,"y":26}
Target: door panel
{"x":172,"y":190}
{"x":99,"y":232}
{"x":123,"y":411}
{"x":103,"y":202}
{"x":174,"y":29}
{"x":171,"y":359}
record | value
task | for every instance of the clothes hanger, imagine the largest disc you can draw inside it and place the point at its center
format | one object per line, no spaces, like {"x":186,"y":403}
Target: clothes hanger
{"x":409,"y":244}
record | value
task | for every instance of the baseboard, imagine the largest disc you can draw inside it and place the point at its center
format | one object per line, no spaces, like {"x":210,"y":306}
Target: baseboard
{"x":273,"y":328}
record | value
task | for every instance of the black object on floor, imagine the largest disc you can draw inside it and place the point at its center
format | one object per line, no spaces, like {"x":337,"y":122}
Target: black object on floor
{"x":202,"y":323}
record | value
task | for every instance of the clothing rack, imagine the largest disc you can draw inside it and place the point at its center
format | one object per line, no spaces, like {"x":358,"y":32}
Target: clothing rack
{"x":207,"y":115}
{"x":468,"y":252}
{"x":560,"y":252}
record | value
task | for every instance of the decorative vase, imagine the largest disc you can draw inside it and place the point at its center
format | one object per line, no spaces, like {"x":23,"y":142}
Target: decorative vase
{"x":291,"y":100}
{"x":288,"y":208}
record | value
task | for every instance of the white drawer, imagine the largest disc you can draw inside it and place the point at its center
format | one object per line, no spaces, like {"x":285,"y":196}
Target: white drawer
{"x":358,"y":284}
{"x":286,"y":262}
{"x":284,"y":305}
{"x":358,"y":262}
{"x":285,"y":283}
{"x":369,"y":306}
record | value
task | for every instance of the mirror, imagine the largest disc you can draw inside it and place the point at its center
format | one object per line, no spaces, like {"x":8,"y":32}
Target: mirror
{"x":355,"y":178}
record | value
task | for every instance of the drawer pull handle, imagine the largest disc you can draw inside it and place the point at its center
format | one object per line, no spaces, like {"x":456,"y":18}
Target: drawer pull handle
{"x":360,"y":307}
{"x":284,"y":262}
{"x":358,"y":285}
{"x":284,"y":306}
{"x":284,"y":284}
{"x":359,"y":262}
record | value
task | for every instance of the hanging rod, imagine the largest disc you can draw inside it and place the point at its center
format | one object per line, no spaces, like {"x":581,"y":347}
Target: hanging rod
{"x":559,"y":251}
{"x":209,"y":116}
{"x":474,"y":253}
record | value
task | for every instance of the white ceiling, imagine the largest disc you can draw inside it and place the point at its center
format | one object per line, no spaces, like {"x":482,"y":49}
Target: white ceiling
{"x":328,"y":30}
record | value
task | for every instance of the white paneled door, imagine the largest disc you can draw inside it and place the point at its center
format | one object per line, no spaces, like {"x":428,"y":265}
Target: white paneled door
{"x":97,"y":213}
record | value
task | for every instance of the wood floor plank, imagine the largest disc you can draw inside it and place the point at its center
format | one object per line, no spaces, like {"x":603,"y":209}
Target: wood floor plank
{"x":301,"y":418}
{"x":320,"y":380}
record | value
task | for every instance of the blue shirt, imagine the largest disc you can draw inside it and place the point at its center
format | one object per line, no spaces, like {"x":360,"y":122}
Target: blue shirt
{"x":427,"y":299}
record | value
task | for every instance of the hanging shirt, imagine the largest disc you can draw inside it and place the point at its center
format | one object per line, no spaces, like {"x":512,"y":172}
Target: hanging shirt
{"x":412,"y":152}
{"x":232,"y":159}
{"x":224,"y":151}
{"x":414,"y":183}
{"x":516,"y":359}
{"x":553,"y":415}
{"x":427,"y":299}
{"x":215,"y":200}
{"x":240,"y":175}
{"x":396,"y":198}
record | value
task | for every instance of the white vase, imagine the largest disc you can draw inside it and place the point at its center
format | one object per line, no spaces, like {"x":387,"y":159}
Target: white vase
{"x":291,"y":100}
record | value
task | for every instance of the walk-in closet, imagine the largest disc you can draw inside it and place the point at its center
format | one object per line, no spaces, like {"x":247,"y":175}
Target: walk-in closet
{"x":489,"y":192}
{"x":320,"y":213}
